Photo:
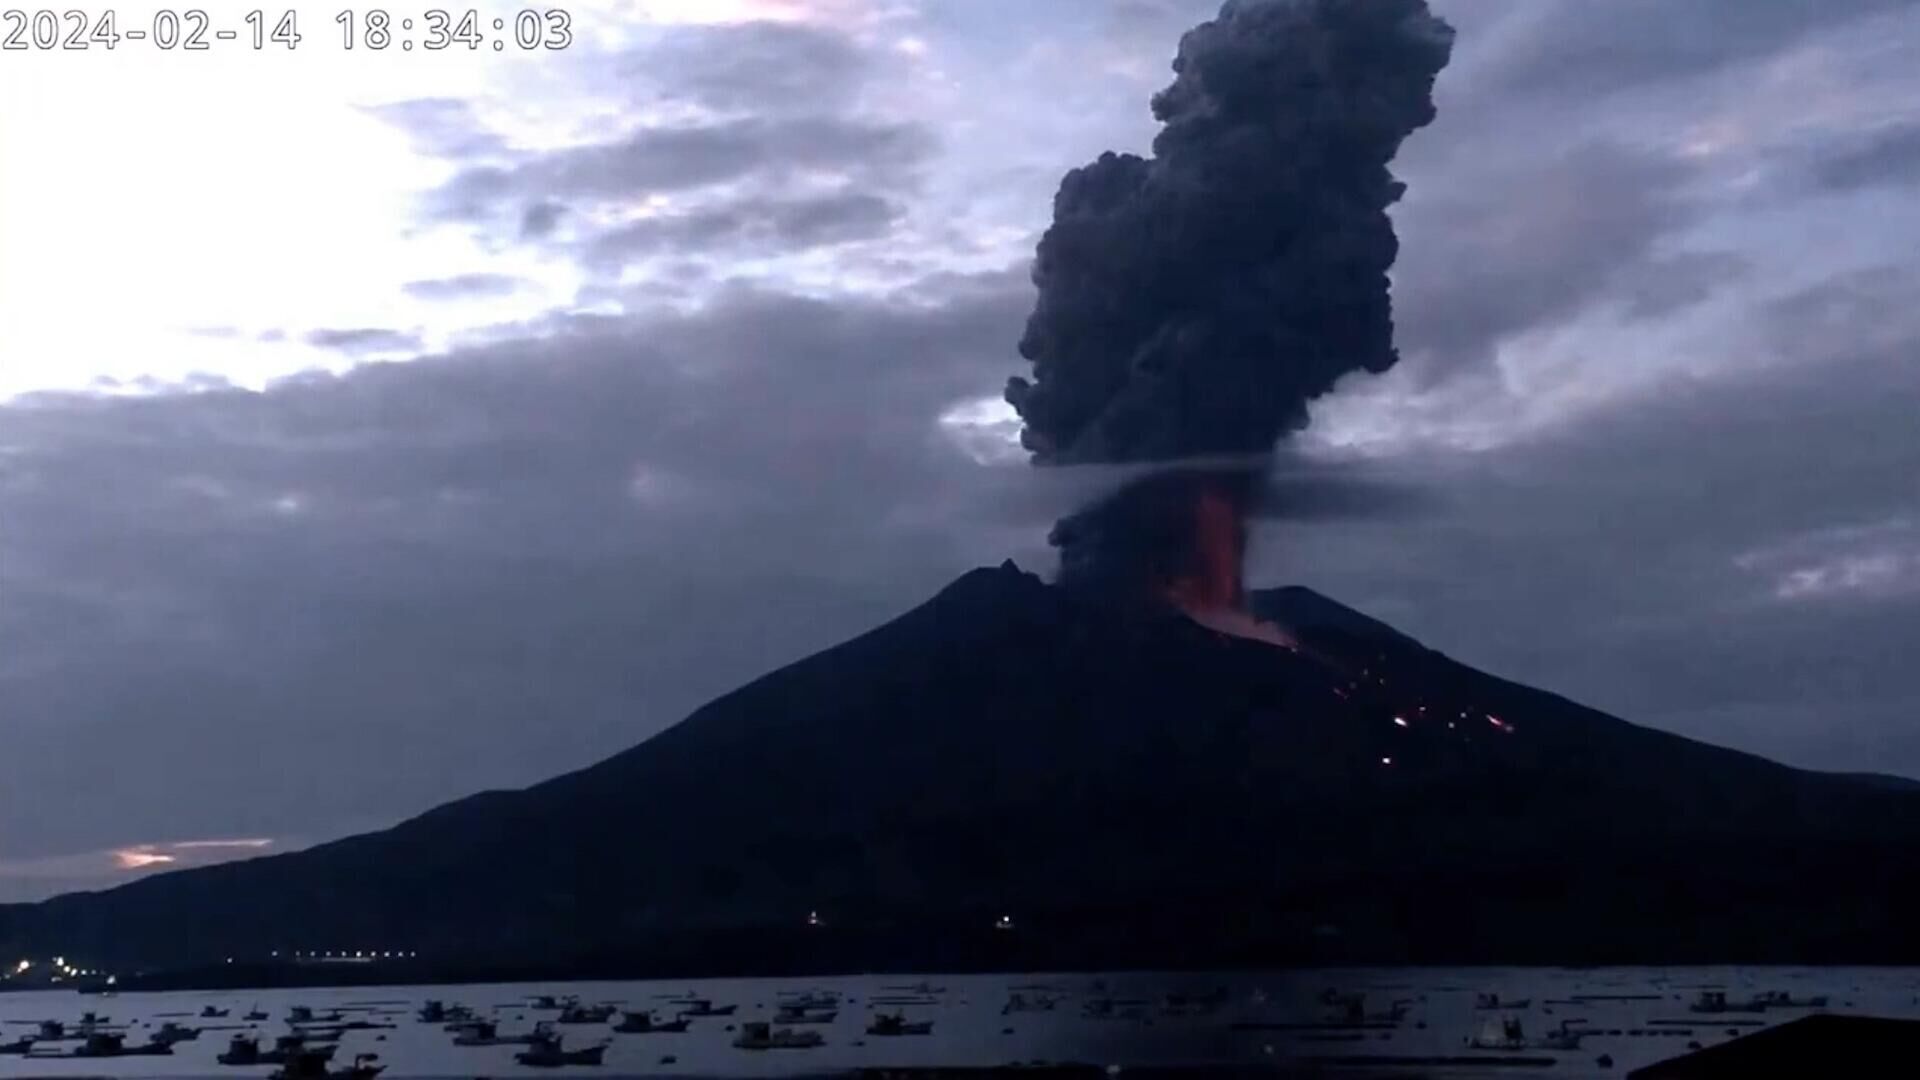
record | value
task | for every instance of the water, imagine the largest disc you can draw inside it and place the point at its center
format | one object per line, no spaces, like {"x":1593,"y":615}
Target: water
{"x":970,"y":1029}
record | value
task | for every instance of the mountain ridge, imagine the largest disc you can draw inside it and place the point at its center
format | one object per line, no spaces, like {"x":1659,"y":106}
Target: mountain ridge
{"x":1135,"y":786}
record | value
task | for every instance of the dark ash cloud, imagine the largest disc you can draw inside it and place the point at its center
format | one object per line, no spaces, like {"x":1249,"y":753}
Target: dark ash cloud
{"x":465,"y":287}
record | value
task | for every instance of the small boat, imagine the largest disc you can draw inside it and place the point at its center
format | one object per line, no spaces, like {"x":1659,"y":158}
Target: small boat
{"x":21,"y":1045}
{"x":1715,"y":1001}
{"x":759,"y":1035}
{"x":211,"y":1013}
{"x":171,"y":1033}
{"x":548,"y":1001}
{"x":586,"y":1014}
{"x":102,"y":1044}
{"x":803,"y":1014}
{"x":1779,"y":999}
{"x":923,"y":988}
{"x":643,"y":1023}
{"x":433,"y":1012}
{"x":312,"y":1065}
{"x":704,"y":1007}
{"x":245,"y":1050}
{"x":1018,"y":1002}
{"x":548,"y":1050}
{"x":304,"y":1014}
{"x":51,"y":1030}
{"x":256,"y":1014}
{"x":810,"y":999}
{"x":1494,"y":1001}
{"x":1506,"y":1033}
{"x":897,"y":1024}
{"x":1355,"y":1011}
{"x":487,"y":1033}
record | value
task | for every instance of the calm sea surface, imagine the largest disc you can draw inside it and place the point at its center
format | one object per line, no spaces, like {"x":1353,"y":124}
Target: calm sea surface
{"x":1632,"y":1016}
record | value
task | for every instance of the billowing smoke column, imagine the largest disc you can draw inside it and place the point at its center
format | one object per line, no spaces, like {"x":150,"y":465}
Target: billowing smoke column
{"x":1192,"y":304}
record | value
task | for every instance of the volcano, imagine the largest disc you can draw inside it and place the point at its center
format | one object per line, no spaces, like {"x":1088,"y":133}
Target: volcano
{"x":1015,"y":774}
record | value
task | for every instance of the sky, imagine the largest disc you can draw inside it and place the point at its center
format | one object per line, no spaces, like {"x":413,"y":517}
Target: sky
{"x":377,"y":427}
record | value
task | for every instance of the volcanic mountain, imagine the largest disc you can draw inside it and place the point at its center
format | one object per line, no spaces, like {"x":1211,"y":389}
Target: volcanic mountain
{"x":1121,"y":787}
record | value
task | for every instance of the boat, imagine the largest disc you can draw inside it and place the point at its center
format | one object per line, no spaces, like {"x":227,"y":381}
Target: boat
{"x":802,"y":1014}
{"x":760,"y":1035}
{"x":101,"y":1044}
{"x":810,"y":999}
{"x":312,"y":1065}
{"x":548,"y":1001}
{"x":1715,"y":1001}
{"x":922,"y":988}
{"x":304,"y":1014}
{"x":245,"y":1050}
{"x":487,"y":1033}
{"x":1494,"y":1001}
{"x":703,"y":1007}
{"x":171,"y":1033}
{"x":211,"y":1013}
{"x":548,"y":1050}
{"x":433,"y":1012}
{"x":1506,"y":1033}
{"x":898,"y":1024}
{"x":1018,"y":1002}
{"x":643,"y":1023}
{"x":21,"y":1045}
{"x":1779,"y":999}
{"x":1354,"y":1011}
{"x":586,"y":1014}
{"x":256,"y":1014}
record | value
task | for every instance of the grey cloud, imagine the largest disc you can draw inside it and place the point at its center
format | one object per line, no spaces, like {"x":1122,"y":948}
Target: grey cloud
{"x":465,"y":286}
{"x":1633,"y":561}
{"x":442,"y":127}
{"x":1492,"y":254}
{"x":764,"y":225}
{"x":509,"y":560}
{"x":540,"y":219}
{"x":654,"y":160}
{"x":1574,"y":49}
{"x":1890,"y":157}
{"x":364,"y":340}
{"x":758,"y":67}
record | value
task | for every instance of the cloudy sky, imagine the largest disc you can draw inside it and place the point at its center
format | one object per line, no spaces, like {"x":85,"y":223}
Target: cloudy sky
{"x":377,"y":427}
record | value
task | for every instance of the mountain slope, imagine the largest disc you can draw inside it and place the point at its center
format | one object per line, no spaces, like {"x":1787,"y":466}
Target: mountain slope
{"x":1139,"y":787}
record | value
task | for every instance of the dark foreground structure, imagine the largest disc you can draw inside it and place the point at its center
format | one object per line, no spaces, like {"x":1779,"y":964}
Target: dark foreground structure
{"x":1838,"y":1046}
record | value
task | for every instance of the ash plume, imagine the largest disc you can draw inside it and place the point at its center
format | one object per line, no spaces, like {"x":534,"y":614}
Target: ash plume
{"x":1193,"y":303}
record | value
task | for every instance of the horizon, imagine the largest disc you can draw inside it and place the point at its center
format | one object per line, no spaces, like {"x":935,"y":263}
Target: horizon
{"x":410,"y":426}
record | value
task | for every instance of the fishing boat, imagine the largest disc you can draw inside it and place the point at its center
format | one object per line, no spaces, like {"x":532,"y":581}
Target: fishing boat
{"x":487,"y":1033}
{"x":759,"y":1035}
{"x":703,"y":1007}
{"x":1506,"y":1033}
{"x":312,"y":1065}
{"x":548,"y":1050}
{"x":245,"y":1050}
{"x":586,"y":1014}
{"x":103,"y":1044}
{"x":790,"y":1013}
{"x":171,"y":1033}
{"x":256,"y":1014}
{"x":1018,"y":1003}
{"x":1712,"y":1002}
{"x":643,"y":1023}
{"x":898,"y":1024}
